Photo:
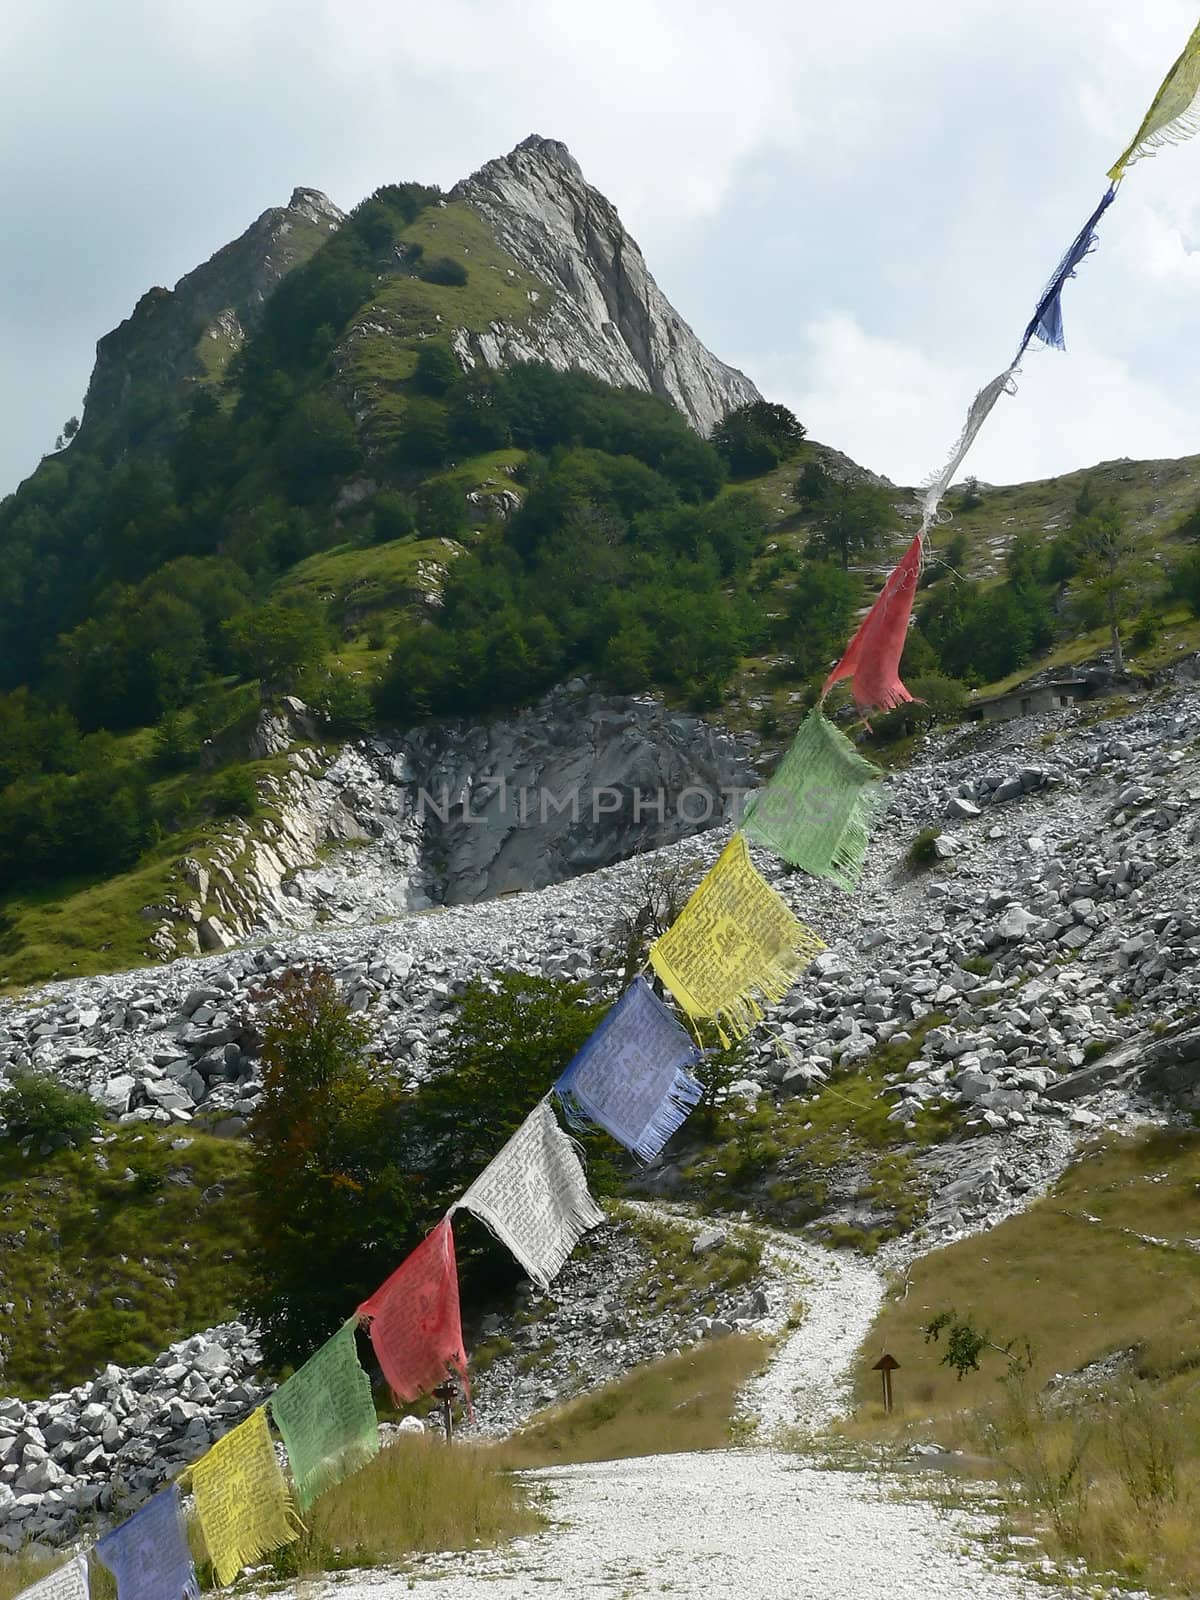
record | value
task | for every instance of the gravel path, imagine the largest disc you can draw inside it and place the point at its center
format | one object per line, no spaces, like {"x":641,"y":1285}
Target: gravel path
{"x":747,"y":1525}
{"x":806,"y":1384}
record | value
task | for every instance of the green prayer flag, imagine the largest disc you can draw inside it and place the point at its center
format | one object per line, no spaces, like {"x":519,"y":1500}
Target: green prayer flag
{"x":327,"y":1417}
{"x":818,"y":810}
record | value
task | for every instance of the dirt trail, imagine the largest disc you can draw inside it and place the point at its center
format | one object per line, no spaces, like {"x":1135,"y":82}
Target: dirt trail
{"x":752,"y":1522}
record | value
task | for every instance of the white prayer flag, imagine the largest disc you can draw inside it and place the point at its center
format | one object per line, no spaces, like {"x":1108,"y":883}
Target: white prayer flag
{"x":534,"y":1196}
{"x":69,"y":1582}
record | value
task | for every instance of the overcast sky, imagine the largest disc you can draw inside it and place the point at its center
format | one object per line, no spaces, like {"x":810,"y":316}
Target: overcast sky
{"x":858,"y":204}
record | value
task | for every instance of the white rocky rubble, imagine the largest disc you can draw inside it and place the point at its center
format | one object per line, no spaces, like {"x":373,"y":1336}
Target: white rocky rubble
{"x":1048,"y":967}
{"x":75,"y":1457}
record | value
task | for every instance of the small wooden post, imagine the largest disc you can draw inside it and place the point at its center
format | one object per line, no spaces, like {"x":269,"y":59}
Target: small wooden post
{"x":446,"y":1393}
{"x":885,"y":1366}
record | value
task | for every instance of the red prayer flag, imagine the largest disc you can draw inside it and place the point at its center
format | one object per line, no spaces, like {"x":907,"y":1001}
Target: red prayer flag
{"x":872,"y":659}
{"x":414,"y":1318}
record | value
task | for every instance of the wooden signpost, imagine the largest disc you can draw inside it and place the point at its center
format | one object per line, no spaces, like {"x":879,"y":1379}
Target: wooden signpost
{"x":885,"y":1366}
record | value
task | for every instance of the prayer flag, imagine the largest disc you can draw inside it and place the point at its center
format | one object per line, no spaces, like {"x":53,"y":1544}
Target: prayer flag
{"x":1046,"y":323}
{"x":735,"y":937}
{"x":818,"y":810}
{"x":415,"y":1323}
{"x":327,"y":1417}
{"x":981,"y":408}
{"x":68,"y":1582}
{"x":872,"y":658}
{"x":534,"y":1196}
{"x":631,"y":1076}
{"x":149,"y":1555}
{"x":1173,"y":115}
{"x":242,"y":1498}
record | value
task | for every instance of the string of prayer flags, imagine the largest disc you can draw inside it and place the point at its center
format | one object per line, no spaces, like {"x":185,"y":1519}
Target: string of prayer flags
{"x":534,"y":1196}
{"x":872,"y":658}
{"x":1173,"y":115}
{"x":734,"y":940}
{"x":821,"y":804}
{"x":68,"y":1582}
{"x":415,"y":1323}
{"x":149,"y":1555}
{"x":242,"y":1498}
{"x":1046,"y":323}
{"x":327,"y":1418}
{"x":631,"y":1076}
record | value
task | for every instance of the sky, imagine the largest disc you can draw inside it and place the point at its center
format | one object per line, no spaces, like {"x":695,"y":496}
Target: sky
{"x":856,"y":204}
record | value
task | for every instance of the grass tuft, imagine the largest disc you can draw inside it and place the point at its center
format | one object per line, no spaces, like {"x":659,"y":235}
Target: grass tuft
{"x":683,"y":1402}
{"x":418,"y":1494}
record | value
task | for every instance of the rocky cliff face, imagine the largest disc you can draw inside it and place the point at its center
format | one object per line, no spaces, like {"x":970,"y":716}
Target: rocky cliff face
{"x":185,"y":333}
{"x":454,"y":813}
{"x":607,"y":314}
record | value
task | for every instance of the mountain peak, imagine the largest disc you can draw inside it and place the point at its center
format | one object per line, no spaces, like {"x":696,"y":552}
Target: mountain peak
{"x":607,"y":315}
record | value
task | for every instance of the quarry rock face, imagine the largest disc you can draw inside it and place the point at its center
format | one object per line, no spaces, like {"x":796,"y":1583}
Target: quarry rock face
{"x":606,"y":314}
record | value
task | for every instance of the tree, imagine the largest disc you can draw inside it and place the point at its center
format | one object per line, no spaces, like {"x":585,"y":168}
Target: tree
{"x":332,"y":1198}
{"x":971,"y":496}
{"x":852,"y":521}
{"x":819,"y":612}
{"x":442,"y":510}
{"x":437,"y":370}
{"x":756,"y":437}
{"x":424,"y":440}
{"x":511,"y":1038}
{"x":279,"y":641}
{"x":1114,"y":575}
{"x":315,"y":445}
{"x":811,"y":489}
{"x":444,"y":270}
{"x":392,"y":517}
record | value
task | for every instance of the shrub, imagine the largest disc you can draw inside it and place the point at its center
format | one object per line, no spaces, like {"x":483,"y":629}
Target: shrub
{"x":443,"y":270}
{"x":921,"y":852}
{"x":1146,"y":631}
{"x":345,"y":702}
{"x":437,"y":370}
{"x":971,"y":496}
{"x":236,"y":794}
{"x":392,"y":517}
{"x":38,"y":1107}
{"x":811,"y":489}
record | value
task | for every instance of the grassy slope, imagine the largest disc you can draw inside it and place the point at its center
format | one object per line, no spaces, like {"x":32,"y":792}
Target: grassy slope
{"x":74,"y":928}
{"x":76,"y":1233}
{"x":1107,"y":1263}
{"x":379,"y":354}
{"x":684,"y":1402}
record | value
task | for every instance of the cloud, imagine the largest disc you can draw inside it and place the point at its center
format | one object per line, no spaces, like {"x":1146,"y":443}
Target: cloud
{"x":894,"y":408}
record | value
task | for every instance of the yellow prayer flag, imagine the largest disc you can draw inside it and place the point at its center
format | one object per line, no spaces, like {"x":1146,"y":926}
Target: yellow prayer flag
{"x":242,"y":1498}
{"x":733,"y":939}
{"x":1173,"y":115}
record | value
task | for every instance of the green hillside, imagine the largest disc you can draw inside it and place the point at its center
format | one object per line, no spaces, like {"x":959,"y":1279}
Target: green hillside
{"x":335,"y":508}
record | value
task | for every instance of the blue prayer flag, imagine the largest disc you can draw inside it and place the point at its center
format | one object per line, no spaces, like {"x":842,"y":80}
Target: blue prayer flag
{"x":149,"y":1555}
{"x":631,"y":1076}
{"x":1046,"y":322}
